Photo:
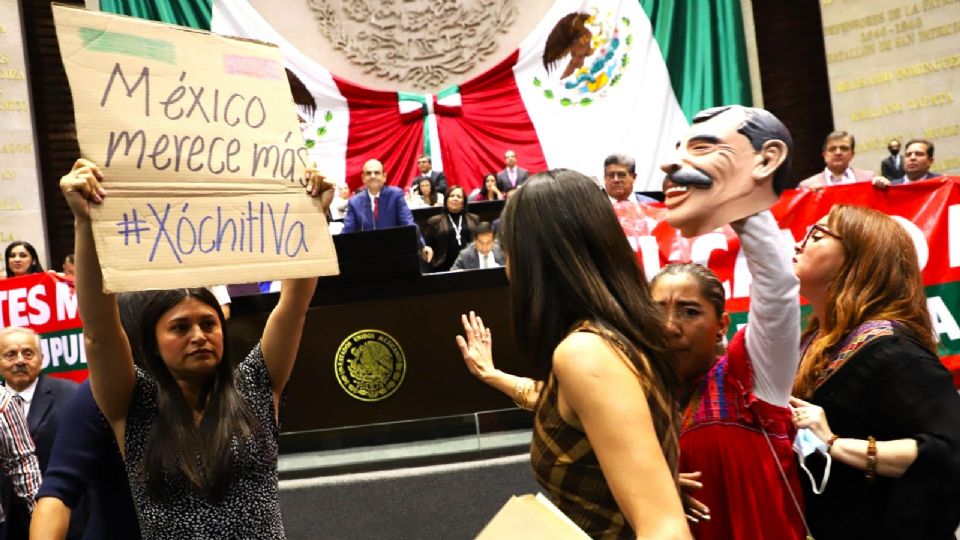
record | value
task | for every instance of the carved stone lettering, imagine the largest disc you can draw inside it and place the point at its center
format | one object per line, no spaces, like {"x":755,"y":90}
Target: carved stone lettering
{"x":423,"y":43}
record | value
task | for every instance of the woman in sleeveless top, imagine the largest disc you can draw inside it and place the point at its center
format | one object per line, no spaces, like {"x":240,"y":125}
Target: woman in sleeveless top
{"x":872,"y":386}
{"x":736,"y":437}
{"x":605,"y":440}
{"x":199,"y":437}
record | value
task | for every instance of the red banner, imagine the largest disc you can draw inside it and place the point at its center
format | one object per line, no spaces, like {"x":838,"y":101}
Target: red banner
{"x":47,"y":304}
{"x":929,"y":211}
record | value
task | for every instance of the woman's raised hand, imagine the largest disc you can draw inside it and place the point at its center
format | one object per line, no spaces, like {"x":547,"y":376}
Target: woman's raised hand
{"x":477,"y":347}
{"x":81,"y":186}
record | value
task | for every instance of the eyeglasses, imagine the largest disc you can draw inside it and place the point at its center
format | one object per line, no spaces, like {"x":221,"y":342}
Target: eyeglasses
{"x":817,"y":228}
{"x":12,"y":354}
{"x":622,"y":175}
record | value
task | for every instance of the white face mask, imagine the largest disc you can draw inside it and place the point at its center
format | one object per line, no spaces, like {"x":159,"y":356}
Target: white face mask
{"x":805,"y":444}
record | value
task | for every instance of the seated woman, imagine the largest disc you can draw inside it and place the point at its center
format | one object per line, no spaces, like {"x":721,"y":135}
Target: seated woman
{"x":198,"y":436}
{"x":605,"y":439}
{"x":736,"y":432}
{"x":21,"y":259}
{"x":736,"y":436}
{"x":425,"y":196}
{"x":451,"y":231}
{"x":872,"y":387}
{"x":488,"y":191}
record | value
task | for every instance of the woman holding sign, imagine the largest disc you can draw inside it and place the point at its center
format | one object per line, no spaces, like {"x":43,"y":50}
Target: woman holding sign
{"x":871,"y":386}
{"x":198,"y":435}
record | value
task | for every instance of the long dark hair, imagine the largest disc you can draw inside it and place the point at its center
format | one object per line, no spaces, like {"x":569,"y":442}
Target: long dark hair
{"x":432,"y":197}
{"x":444,"y":228}
{"x":35,"y":266}
{"x":879,"y":280}
{"x":202,"y":454}
{"x":484,"y":193}
{"x":569,"y":263}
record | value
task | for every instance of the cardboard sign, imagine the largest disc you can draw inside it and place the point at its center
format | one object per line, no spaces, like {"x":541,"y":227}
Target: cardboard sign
{"x":202,"y":155}
{"x":529,"y":517}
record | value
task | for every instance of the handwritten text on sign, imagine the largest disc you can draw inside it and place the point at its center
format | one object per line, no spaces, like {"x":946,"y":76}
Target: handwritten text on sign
{"x":203,"y":160}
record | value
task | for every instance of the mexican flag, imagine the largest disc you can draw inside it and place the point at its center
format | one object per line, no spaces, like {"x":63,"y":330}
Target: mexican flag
{"x":594,"y":77}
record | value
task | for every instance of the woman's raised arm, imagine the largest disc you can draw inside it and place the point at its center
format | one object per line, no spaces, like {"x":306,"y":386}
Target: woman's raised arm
{"x":108,"y":352}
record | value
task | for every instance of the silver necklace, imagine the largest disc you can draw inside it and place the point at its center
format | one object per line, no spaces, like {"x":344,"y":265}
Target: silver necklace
{"x":457,"y":227}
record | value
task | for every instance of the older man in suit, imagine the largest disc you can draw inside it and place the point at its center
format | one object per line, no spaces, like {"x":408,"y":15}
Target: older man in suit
{"x":838,"y":151}
{"x":379,"y":206}
{"x":511,"y":177}
{"x":482,"y":253}
{"x":42,"y":399}
{"x":437,"y":179}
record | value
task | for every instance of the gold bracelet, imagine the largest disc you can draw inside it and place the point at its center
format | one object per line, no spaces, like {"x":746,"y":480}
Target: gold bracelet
{"x":520,"y":390}
{"x":871,"y":471}
{"x":833,"y":439}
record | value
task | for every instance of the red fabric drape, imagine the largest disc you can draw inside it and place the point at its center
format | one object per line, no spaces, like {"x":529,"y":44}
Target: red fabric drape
{"x":377,"y":131}
{"x":473,"y":138}
{"x":493,"y":120}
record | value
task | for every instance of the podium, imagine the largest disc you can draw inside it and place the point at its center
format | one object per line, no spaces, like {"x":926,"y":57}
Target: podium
{"x":378,"y":344}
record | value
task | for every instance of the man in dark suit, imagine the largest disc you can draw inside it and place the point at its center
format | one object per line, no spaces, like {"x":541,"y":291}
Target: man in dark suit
{"x":892,"y":167}
{"x":619,"y":176}
{"x":379,"y":206}
{"x":437,"y":179}
{"x":482,"y":253}
{"x":917,"y":159}
{"x":511,"y":176}
{"x":42,"y":399}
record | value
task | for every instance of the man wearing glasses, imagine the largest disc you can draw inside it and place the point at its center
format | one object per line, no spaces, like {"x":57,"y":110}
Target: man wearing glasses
{"x":41,"y":398}
{"x":838,"y":151}
{"x":619,"y":175}
{"x":437,"y":179}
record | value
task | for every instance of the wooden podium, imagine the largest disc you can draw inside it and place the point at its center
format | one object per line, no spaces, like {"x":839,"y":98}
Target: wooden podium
{"x":348,"y":372}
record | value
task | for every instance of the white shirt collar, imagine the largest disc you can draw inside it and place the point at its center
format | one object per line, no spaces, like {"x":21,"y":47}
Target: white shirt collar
{"x":26,"y":395}
{"x":28,"y":392}
{"x":848,"y":177}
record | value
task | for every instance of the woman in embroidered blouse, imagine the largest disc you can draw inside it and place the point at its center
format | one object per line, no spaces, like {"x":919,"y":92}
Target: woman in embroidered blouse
{"x":605,"y":440}
{"x":736,"y":433}
{"x":199,"y":437}
{"x":872,"y":386}
{"x":451,"y":230}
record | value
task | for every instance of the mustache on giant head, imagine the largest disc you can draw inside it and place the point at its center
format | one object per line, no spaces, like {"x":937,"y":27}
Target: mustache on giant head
{"x":688,"y":176}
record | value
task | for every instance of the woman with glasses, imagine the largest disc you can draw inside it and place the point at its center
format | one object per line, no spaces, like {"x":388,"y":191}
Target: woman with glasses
{"x":872,"y":387}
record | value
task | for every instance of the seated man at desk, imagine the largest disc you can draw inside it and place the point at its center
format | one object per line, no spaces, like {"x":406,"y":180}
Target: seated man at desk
{"x":379,"y":206}
{"x":482,"y":253}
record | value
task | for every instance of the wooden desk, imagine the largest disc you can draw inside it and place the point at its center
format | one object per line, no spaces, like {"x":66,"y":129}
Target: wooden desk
{"x":422,"y":313}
